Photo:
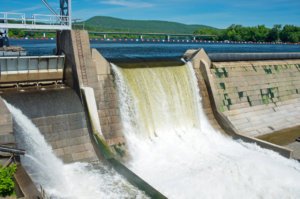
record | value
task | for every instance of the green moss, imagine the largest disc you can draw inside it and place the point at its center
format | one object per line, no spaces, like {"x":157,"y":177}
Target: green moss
{"x":222,"y":85}
{"x":221,"y":72}
{"x":267,"y":69}
{"x":119,"y":148}
{"x":241,"y":94}
{"x":6,"y":180}
{"x":265,"y":99}
{"x":103,"y":147}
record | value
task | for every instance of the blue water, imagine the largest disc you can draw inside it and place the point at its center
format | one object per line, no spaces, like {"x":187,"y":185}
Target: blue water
{"x":113,"y":50}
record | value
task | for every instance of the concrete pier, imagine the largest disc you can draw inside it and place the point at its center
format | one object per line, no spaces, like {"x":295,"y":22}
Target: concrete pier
{"x":86,"y":67}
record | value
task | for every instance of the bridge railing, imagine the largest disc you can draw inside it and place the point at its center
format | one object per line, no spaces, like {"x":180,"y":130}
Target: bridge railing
{"x":50,"y":19}
{"x":10,"y":17}
{"x":7,"y":18}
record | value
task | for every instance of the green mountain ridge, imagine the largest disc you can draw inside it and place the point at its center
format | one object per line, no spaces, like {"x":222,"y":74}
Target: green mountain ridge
{"x":102,"y":23}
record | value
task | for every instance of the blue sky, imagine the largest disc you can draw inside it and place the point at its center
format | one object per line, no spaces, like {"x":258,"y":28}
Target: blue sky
{"x":217,"y":13}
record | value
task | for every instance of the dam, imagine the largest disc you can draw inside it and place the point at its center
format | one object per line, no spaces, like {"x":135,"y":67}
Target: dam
{"x":144,"y":130}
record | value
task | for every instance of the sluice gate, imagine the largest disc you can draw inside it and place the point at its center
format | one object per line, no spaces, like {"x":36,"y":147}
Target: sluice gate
{"x":31,"y":69}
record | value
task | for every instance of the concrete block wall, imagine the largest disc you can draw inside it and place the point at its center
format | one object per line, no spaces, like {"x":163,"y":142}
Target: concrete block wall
{"x":6,"y":126}
{"x":87,"y":67}
{"x":258,"y":97}
{"x":107,"y":100}
{"x":59,"y":115}
{"x":68,"y":135}
{"x":202,"y":63}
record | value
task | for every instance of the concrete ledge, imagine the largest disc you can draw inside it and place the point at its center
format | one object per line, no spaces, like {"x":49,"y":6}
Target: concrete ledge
{"x":267,"y":145}
{"x":217,"y":57}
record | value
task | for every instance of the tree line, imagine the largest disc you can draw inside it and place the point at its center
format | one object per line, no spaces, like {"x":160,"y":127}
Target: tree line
{"x":260,"y":33}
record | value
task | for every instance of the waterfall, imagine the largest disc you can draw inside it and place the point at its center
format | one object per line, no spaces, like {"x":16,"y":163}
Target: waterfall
{"x":59,"y":180}
{"x":174,"y":148}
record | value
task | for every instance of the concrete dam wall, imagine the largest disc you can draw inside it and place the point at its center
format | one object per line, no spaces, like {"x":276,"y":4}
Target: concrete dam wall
{"x":59,"y":112}
{"x":59,"y":115}
{"x":258,"y":97}
{"x":238,"y":99}
{"x":172,"y":130}
{"x":251,"y":98}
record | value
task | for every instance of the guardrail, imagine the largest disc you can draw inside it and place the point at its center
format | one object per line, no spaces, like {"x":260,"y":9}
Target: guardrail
{"x":14,"y":151}
{"x":36,"y":21}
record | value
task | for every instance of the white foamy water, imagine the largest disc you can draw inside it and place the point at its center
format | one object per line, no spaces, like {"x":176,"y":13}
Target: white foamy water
{"x":59,"y":180}
{"x":174,"y":148}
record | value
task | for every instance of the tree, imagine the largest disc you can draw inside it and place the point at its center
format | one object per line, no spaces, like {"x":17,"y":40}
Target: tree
{"x":290,"y":33}
{"x":6,"y":180}
{"x":274,"y":34}
{"x":209,"y":31}
{"x":261,"y":33}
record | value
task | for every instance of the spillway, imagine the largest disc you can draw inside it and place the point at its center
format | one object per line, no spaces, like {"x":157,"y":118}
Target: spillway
{"x":59,"y":180}
{"x":173,"y":147}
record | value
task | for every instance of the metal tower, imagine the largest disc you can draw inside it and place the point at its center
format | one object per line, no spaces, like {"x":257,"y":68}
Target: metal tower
{"x":64,"y":7}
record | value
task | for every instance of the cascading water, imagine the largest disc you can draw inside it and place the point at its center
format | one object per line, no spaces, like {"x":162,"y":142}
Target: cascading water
{"x":59,"y":180}
{"x":174,"y":148}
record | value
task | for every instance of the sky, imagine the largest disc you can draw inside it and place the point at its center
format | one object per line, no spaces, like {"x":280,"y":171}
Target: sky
{"x":216,"y":13}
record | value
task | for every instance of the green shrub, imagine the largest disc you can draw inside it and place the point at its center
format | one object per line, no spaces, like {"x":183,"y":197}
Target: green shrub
{"x":6,"y":180}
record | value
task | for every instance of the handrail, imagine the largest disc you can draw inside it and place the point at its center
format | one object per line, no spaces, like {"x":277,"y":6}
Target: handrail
{"x":35,"y":19}
{"x":14,"y":151}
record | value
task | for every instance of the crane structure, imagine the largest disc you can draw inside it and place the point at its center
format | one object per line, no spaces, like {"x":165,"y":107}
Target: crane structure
{"x":54,"y":21}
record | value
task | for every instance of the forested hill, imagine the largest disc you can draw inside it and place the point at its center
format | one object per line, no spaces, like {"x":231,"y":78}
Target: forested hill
{"x":101,"y":23}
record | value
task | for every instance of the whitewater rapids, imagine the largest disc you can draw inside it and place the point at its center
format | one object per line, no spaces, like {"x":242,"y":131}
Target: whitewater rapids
{"x":174,"y":148}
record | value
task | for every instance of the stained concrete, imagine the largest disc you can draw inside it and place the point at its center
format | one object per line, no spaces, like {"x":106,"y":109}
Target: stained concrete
{"x":258,"y":97}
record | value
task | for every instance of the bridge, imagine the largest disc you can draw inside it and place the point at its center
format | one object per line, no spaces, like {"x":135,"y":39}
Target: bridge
{"x":140,"y":35}
{"x":55,"y":21}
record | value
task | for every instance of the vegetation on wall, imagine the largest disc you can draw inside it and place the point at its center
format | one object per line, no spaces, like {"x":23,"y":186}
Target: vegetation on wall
{"x":6,"y":180}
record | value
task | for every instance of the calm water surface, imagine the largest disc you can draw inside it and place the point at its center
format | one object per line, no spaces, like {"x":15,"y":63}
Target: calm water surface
{"x":117,"y":50}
